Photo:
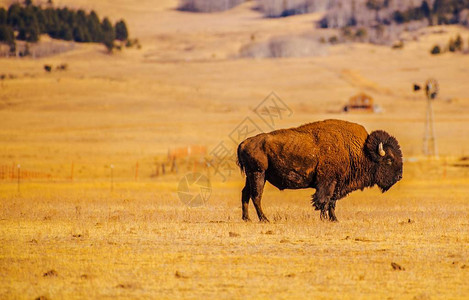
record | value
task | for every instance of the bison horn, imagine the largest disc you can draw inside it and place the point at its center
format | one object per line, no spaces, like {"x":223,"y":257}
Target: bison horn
{"x":380,"y":150}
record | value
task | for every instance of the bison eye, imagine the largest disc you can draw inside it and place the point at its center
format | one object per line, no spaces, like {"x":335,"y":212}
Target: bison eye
{"x":389,"y":162}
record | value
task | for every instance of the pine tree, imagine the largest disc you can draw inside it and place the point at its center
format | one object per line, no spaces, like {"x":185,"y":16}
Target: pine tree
{"x":108,"y":34}
{"x":108,"y":30}
{"x":65,"y":32}
{"x":7,"y":35}
{"x":440,"y":8}
{"x":376,"y":5}
{"x":31,"y":21}
{"x":3,"y":16}
{"x":33,"y":34}
{"x":94,"y":27}
{"x":14,"y":16}
{"x":425,"y":8}
{"x":78,"y":35}
{"x":121,"y":31}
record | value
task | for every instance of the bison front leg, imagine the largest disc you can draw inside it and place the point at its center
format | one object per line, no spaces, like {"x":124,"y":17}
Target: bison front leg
{"x":332,"y":216}
{"x":322,"y":200}
{"x":256,"y":182}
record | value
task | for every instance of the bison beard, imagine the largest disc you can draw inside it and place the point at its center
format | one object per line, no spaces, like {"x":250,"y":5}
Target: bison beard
{"x":334,"y":157}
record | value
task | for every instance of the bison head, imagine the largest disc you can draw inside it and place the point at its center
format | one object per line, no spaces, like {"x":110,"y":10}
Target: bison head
{"x":385,"y":153}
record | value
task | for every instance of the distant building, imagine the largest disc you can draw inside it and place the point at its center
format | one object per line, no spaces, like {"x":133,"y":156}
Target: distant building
{"x":361,"y":103}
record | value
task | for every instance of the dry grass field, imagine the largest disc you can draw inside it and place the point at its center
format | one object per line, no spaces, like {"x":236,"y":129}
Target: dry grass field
{"x":77,"y":239}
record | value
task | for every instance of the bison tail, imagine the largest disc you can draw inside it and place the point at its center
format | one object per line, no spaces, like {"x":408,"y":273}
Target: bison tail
{"x":238,"y":160}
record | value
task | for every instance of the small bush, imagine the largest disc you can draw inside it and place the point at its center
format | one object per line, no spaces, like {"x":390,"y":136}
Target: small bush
{"x":435,"y":50}
{"x":333,"y":39}
{"x":347,"y":32}
{"x":451,"y":46}
{"x":455,"y":45}
{"x":458,"y":43}
{"x":361,"y":33}
{"x":398,"y":45}
{"x":133,"y":43}
{"x":62,"y":67}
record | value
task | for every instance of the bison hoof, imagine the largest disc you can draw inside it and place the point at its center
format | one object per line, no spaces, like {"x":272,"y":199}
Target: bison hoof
{"x":323,"y":216}
{"x":264,"y":220}
{"x":246,"y":219}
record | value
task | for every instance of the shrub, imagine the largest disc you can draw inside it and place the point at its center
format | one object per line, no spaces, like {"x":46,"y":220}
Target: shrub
{"x":361,"y":33}
{"x":458,"y":43}
{"x":435,"y":50}
{"x":133,"y":42}
{"x":347,"y":32}
{"x":451,"y":46}
{"x":333,"y":39}
{"x":398,"y":45}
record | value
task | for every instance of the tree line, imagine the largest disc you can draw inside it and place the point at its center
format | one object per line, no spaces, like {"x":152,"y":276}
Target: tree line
{"x":207,"y":5}
{"x":27,"y":22}
{"x":387,"y":12}
{"x":441,"y":12}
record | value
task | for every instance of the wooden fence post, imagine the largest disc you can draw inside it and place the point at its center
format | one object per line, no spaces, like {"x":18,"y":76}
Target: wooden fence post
{"x":136,"y":171}
{"x":19,"y":175}
{"x":112,"y":178}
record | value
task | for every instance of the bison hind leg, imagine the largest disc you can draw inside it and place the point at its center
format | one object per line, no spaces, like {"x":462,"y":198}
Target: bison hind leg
{"x":245,"y":196}
{"x":256,"y":181}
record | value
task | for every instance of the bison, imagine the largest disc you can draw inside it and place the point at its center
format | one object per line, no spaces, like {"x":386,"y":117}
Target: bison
{"x":334,"y":157}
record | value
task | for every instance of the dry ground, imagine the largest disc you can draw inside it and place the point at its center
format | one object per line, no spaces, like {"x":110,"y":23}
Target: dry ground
{"x":65,"y":239}
{"x":141,"y":242}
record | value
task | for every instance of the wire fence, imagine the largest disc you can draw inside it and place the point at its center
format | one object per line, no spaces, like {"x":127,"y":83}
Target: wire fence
{"x":178,"y":161}
{"x":14,"y":171}
{"x":77,"y":171}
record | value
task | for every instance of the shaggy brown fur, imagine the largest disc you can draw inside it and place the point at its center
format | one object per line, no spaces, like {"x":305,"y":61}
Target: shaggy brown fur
{"x":335,"y":157}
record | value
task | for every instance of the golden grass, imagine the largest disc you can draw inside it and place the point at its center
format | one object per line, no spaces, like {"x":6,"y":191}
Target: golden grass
{"x":141,"y":242}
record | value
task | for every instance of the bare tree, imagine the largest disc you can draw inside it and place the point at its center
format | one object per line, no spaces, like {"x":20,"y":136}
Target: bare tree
{"x":208,"y":5}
